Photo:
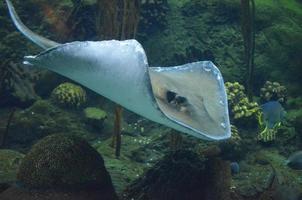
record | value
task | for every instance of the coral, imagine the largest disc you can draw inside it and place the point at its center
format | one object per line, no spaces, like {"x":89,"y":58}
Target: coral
{"x":9,"y":163}
{"x":95,"y":117}
{"x":235,"y":138}
{"x":69,"y":95}
{"x":95,"y":113}
{"x":273,"y":91}
{"x":239,"y":104}
{"x":62,"y":167}
{"x":61,"y":161}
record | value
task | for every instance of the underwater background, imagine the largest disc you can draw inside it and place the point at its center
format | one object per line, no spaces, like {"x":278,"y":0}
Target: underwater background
{"x":59,"y":140}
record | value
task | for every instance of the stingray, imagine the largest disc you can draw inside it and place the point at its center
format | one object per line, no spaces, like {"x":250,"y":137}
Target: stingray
{"x":190,"y":98}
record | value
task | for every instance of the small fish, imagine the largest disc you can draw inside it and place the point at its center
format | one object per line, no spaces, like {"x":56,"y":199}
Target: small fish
{"x":273,"y":113}
{"x":235,"y":168}
{"x":295,"y":160}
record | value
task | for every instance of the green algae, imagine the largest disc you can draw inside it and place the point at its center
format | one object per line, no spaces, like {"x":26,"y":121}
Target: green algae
{"x":95,"y":113}
{"x":128,"y":168}
{"x":9,"y":163}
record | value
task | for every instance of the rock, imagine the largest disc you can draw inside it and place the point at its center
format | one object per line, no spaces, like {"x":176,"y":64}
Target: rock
{"x":15,"y":193}
{"x":62,"y":161}
{"x":62,"y":167}
{"x":266,"y":168}
{"x":180,"y":175}
{"x":9,"y":163}
{"x":218,"y":176}
{"x":42,"y":119}
{"x":4,"y":186}
{"x":253,"y":180}
{"x":95,"y":117}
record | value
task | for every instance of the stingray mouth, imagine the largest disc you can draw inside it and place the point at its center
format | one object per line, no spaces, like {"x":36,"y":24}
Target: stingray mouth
{"x":194,"y":97}
{"x":176,"y":101}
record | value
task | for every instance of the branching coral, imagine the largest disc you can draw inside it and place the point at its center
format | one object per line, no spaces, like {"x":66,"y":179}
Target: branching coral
{"x":240,"y":106}
{"x":69,"y":95}
{"x":273,"y":91}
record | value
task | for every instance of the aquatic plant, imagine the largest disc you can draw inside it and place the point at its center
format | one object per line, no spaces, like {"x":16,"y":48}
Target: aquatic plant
{"x":248,"y":33}
{"x":63,"y":161}
{"x":240,"y":106}
{"x":69,"y":95}
{"x":16,"y":84}
{"x":5,"y":133}
{"x":273,"y":91}
{"x":95,"y":117}
{"x":10,"y":161}
{"x":117,"y":19}
{"x":16,"y":81}
{"x":153,"y":15}
{"x":117,"y":132}
{"x":176,"y":140}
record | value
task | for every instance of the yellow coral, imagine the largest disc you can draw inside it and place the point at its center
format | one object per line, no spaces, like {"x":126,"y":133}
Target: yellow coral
{"x":240,"y":106}
{"x":273,"y":91}
{"x":235,"y":138}
{"x":69,"y":95}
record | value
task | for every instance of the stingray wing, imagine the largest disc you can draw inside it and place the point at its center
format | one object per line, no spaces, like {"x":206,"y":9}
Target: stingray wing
{"x":194,"y":96}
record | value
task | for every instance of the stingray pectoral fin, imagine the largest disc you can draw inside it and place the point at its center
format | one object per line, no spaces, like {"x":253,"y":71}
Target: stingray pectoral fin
{"x":194,"y":96}
{"x":189,"y":98}
{"x":39,"y":40}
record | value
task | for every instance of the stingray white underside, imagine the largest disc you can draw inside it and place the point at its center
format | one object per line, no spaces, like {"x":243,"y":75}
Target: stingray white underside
{"x":190,"y":98}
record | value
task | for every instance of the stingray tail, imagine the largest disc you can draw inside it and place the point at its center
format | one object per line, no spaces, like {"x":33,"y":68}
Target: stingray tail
{"x":37,"y":39}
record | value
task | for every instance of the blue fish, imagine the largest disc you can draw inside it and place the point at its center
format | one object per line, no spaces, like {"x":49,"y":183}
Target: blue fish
{"x":295,"y":160}
{"x":235,"y":168}
{"x":273,"y":113}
